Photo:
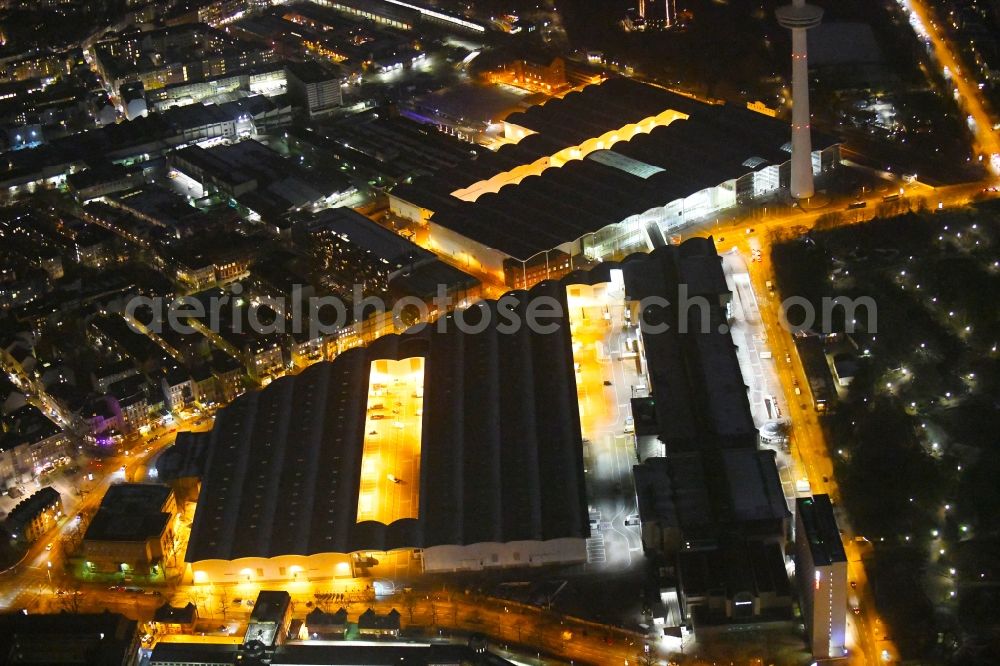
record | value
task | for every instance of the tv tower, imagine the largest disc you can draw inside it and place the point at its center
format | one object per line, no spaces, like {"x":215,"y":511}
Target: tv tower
{"x":799,"y":17}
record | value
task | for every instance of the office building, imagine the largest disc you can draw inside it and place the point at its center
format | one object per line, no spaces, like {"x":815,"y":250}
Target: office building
{"x":315,"y":87}
{"x":821,"y":572}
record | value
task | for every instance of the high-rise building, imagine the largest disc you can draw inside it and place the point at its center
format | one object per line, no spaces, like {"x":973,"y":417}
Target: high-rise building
{"x":799,"y":17}
{"x":314,"y":86}
{"x":821,"y":572}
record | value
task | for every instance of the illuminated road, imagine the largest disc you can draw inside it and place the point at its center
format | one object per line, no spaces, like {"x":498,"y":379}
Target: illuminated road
{"x":809,"y":451}
{"x":33,"y":585}
{"x":524,"y":629}
{"x":969,"y":97}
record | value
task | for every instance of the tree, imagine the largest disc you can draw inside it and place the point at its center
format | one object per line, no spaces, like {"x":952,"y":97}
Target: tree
{"x":409,"y":603}
{"x":73,"y":599}
{"x":224,"y":601}
{"x":434,"y":614}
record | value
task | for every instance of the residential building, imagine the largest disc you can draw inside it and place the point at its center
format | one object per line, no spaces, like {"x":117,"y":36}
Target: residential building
{"x":372,"y":624}
{"x":176,"y":619}
{"x":324,"y":626}
{"x":31,"y":518}
{"x":228,"y":373}
{"x":179,"y":391}
{"x":30,"y":444}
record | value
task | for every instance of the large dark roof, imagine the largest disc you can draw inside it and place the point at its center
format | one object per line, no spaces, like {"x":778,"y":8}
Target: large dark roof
{"x":67,"y":638}
{"x":501,"y":452}
{"x":130,"y":512}
{"x":700,"y":397}
{"x":737,"y":566}
{"x":820,"y":529}
{"x":708,"y":495}
{"x":716,"y":143}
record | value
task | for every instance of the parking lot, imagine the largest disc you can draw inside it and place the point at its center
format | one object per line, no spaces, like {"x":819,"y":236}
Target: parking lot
{"x":608,"y":374}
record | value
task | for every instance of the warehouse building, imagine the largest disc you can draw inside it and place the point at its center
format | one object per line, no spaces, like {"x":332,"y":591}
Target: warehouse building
{"x":426,"y":445}
{"x":609,"y":170}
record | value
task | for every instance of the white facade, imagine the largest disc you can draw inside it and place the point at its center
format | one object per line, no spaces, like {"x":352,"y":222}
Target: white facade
{"x":326,"y":566}
{"x":479,"y":556}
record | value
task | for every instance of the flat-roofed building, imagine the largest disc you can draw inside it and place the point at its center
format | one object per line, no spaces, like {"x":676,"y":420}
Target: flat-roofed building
{"x":315,"y":86}
{"x":69,"y":638}
{"x":694,"y":500}
{"x":269,"y":624}
{"x":192,"y":654}
{"x":821,"y":573}
{"x":334,"y":653}
{"x":741,"y":582}
{"x":132,"y":531}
